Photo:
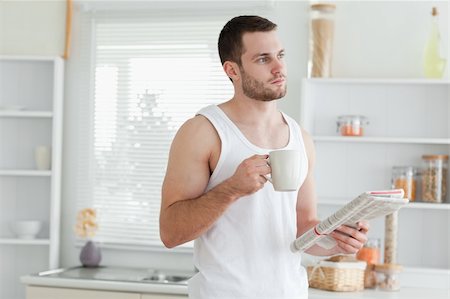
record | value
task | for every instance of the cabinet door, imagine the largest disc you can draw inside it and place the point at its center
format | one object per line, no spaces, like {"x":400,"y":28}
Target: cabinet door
{"x":63,"y":293}
{"x":162,"y":296}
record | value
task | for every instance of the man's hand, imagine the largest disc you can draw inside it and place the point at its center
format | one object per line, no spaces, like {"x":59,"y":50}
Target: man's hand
{"x":249,"y":177}
{"x":349,"y":239}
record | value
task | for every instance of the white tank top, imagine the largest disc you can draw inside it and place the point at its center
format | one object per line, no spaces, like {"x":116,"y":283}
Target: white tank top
{"x":246,"y":254}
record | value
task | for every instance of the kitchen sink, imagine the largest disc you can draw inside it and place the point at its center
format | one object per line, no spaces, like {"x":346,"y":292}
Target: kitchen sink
{"x":138,"y":275}
{"x":163,"y":278}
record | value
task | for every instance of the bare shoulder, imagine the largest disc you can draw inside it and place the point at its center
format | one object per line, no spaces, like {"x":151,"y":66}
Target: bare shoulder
{"x":309,"y":146}
{"x":306,"y":136}
{"x":197,"y":127}
{"x":196,"y":134}
{"x":193,"y":147}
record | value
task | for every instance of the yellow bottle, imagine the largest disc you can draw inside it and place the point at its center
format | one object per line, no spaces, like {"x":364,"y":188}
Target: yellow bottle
{"x":434,"y":64}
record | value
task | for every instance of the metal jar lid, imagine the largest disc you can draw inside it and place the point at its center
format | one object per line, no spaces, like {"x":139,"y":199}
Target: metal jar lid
{"x":435,"y":157}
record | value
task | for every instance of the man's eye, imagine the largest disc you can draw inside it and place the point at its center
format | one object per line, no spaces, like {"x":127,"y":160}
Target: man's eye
{"x":281,"y":55}
{"x":262,"y":60}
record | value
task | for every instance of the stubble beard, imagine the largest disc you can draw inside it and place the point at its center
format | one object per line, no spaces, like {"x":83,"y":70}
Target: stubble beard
{"x":256,"y":90}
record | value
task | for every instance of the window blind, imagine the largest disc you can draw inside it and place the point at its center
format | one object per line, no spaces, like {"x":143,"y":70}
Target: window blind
{"x":149,"y":75}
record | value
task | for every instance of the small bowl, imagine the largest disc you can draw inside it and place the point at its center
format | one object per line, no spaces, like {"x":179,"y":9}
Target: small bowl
{"x":26,"y":229}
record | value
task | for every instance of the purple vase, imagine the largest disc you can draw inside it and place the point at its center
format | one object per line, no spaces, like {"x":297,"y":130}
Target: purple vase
{"x":90,"y":255}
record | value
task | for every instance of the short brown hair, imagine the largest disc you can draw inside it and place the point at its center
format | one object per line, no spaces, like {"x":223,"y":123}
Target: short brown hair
{"x":230,"y":38}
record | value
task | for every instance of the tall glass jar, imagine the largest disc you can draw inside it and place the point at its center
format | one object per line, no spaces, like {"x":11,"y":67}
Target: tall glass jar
{"x":321,"y":39}
{"x":434,"y":178}
{"x":404,"y":177}
{"x":390,"y":238}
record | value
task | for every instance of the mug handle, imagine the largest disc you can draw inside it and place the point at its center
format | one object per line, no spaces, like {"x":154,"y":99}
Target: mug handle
{"x":267,"y":176}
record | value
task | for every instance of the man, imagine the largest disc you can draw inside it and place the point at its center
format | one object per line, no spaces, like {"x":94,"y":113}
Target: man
{"x":215,"y":190}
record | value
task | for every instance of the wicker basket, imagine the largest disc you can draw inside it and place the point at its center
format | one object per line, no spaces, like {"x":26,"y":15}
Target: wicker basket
{"x":337,"y":276}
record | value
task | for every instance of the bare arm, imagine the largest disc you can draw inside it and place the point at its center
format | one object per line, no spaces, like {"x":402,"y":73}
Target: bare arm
{"x":186,"y":210}
{"x":349,"y":240}
{"x":306,"y":199}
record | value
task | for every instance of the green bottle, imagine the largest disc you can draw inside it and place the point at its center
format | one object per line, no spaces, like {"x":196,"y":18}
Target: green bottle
{"x":433,"y":64}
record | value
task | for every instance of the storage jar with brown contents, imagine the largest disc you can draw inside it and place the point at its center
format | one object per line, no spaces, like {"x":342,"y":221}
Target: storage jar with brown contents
{"x":404,"y":177}
{"x":321,"y":39}
{"x":434,"y":178}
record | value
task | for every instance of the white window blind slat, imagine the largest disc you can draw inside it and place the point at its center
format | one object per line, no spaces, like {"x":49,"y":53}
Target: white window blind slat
{"x":149,"y":76}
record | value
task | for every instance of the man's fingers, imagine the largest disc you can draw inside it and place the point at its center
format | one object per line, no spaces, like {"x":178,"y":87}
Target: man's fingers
{"x":351,"y":239}
{"x":363,"y":226}
{"x":359,"y":233}
{"x":347,"y":243}
{"x":261,"y":165}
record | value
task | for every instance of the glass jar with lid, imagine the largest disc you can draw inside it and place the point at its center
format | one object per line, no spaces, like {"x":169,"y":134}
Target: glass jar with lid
{"x":405,"y":177}
{"x":370,"y":253}
{"x":389,"y":280}
{"x":434,"y":178}
{"x":351,"y":125}
{"x":321,"y":39}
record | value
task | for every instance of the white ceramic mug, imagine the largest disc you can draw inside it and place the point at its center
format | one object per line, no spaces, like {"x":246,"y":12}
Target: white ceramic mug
{"x":42,"y":157}
{"x":286,"y":168}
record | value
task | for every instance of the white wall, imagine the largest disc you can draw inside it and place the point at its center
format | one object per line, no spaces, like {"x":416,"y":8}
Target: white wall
{"x":377,"y":39}
{"x":32,"y":27}
{"x":373,"y":39}
{"x":281,"y":15}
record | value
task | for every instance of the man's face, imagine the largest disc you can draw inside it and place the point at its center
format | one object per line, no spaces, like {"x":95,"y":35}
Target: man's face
{"x":263,"y":71}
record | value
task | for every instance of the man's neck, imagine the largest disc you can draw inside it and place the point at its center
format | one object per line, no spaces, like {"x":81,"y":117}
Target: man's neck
{"x":251,"y":112}
{"x":260,"y":122}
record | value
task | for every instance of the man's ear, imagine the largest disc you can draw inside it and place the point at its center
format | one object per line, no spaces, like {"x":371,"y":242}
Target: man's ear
{"x":232,"y":70}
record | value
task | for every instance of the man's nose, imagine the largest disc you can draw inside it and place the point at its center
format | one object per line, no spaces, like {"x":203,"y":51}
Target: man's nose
{"x":278,"y":66}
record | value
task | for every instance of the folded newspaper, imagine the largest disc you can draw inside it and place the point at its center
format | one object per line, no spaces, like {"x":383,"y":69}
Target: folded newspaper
{"x":368,"y":205}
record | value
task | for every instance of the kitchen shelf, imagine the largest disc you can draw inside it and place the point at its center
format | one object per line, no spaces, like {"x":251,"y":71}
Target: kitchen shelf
{"x":24,"y":172}
{"x":439,"y":141}
{"x":31,"y":115}
{"x":408,"y":119}
{"x":12,"y":241}
{"x":28,"y":58}
{"x":25,"y":114}
{"x":427,"y":205}
{"x":411,"y":205}
{"x":413,"y":81}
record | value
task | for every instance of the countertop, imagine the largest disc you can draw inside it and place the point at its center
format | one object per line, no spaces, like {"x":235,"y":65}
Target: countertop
{"x":109,"y":278}
{"x":121,"y":286}
{"x":173,"y":288}
{"x":404,"y":293}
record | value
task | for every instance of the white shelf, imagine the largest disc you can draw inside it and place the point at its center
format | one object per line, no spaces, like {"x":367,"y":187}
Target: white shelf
{"x":24,"y":172}
{"x":12,"y":241}
{"x":362,"y":139}
{"x":30,"y":115}
{"x":31,"y":58}
{"x":413,"y":81}
{"x":24,"y":114}
{"x":430,"y":206}
{"x":411,"y":205}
